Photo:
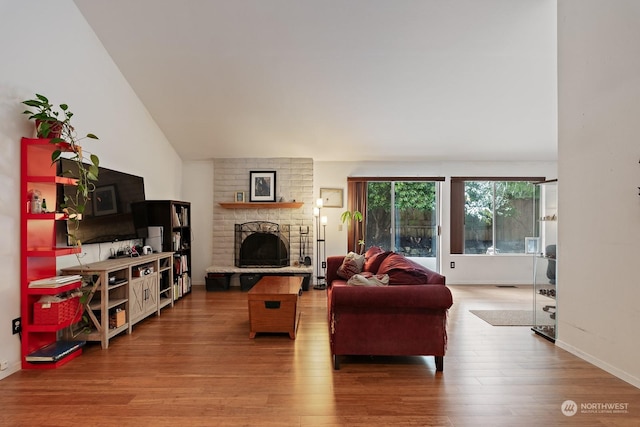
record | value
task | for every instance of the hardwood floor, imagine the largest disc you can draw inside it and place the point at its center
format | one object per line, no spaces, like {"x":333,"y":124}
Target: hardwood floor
{"x":196,"y":366}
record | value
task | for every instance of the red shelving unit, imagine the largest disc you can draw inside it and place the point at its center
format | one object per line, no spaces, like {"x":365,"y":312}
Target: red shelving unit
{"x":38,"y":246}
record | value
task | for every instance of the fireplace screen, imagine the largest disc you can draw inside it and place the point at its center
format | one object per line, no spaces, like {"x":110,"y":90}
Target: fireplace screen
{"x":261,"y":244}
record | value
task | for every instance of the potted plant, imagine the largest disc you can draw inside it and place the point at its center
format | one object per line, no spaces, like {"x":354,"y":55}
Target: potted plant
{"x":350,"y":217}
{"x":55,"y":124}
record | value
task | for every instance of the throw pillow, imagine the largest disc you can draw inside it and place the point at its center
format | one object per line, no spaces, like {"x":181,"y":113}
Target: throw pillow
{"x":403,"y":271}
{"x":373,"y":263}
{"x":352,"y":264}
{"x":372,"y":251}
{"x":368,"y":279}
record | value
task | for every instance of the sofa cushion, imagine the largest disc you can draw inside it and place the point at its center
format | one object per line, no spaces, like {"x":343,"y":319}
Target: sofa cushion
{"x":352,"y":264}
{"x":372,"y":264}
{"x":403,"y":271}
{"x":368,"y":279}
{"x":372,"y":251}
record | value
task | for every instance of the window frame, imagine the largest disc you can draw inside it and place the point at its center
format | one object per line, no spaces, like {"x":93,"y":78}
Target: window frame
{"x":457,"y":206}
{"x":357,"y":199}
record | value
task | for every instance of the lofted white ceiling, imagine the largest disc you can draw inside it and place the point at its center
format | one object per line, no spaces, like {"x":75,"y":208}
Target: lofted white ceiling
{"x":448,"y":80}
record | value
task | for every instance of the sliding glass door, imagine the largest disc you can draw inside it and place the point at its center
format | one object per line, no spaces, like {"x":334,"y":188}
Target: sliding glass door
{"x":403,"y":216}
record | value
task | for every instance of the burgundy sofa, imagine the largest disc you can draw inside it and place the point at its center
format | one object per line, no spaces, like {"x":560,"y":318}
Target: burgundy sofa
{"x":407,"y":317}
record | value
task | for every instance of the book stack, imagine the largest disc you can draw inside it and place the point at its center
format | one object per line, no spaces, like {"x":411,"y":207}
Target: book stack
{"x":54,"y":351}
{"x":177,"y":241}
{"x":54,"y":282}
{"x":180,"y":216}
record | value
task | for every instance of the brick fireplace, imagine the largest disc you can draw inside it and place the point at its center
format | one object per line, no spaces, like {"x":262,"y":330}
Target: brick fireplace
{"x":294,"y":182}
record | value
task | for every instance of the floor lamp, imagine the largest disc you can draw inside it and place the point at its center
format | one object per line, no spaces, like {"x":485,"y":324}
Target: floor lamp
{"x":321,"y":232}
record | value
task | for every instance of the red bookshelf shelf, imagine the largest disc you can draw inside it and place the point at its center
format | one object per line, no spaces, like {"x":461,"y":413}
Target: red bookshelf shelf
{"x":55,"y":252}
{"x":52,"y":365}
{"x":56,"y":216}
{"x":51,"y":180}
{"x":54,"y":291}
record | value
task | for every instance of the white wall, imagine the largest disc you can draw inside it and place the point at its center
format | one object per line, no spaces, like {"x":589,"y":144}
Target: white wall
{"x":198,"y":189}
{"x":470,"y":269}
{"x":599,"y":175}
{"x":48,"y":48}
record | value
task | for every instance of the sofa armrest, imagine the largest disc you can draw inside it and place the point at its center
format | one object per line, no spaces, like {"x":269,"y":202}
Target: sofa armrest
{"x":398,"y":296}
{"x":436,"y":279}
{"x":333,"y":263}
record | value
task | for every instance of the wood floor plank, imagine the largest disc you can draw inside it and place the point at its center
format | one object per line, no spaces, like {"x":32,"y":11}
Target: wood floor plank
{"x":196,"y":366}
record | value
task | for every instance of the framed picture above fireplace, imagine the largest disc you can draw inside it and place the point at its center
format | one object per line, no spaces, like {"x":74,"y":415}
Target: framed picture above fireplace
{"x":262,"y":186}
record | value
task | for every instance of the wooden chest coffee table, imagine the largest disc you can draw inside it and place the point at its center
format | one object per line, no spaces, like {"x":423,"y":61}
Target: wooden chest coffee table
{"x":273,"y":305}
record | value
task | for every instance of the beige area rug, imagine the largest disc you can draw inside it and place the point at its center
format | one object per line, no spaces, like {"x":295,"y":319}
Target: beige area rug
{"x":512,"y":317}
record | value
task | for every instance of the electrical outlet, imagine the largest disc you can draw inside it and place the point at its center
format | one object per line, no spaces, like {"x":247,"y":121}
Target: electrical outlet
{"x":4,"y":365}
{"x":452,"y":264}
{"x":16,"y":326}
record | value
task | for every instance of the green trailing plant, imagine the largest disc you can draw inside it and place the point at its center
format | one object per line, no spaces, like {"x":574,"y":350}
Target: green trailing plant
{"x":84,"y":325}
{"x":350,"y":217}
{"x":55,"y":123}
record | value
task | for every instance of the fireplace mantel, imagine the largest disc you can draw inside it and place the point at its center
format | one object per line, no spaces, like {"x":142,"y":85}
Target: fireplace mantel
{"x":261,"y":205}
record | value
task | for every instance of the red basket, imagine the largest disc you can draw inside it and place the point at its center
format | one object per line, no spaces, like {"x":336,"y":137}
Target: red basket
{"x":55,"y":313}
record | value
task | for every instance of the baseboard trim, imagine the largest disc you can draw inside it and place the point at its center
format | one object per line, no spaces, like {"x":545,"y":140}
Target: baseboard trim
{"x":15,"y":367}
{"x":624,"y":376}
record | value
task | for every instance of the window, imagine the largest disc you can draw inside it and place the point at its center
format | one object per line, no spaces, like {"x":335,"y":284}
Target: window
{"x":399,"y":215}
{"x":492,"y":215}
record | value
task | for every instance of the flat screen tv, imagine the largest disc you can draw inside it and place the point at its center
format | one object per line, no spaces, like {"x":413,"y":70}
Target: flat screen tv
{"x":107,"y":216}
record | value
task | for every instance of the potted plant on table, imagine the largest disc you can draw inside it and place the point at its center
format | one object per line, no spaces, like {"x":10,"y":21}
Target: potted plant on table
{"x":55,"y":124}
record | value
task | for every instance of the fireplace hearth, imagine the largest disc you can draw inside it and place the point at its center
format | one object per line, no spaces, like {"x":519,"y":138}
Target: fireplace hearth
{"x":261,"y":244}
